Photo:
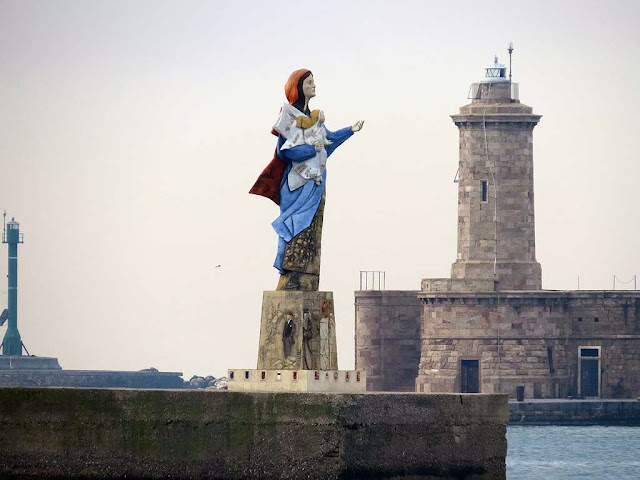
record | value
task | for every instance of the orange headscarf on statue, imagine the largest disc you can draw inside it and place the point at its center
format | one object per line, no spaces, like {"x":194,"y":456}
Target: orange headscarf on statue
{"x":291,"y":88}
{"x":268,"y":183}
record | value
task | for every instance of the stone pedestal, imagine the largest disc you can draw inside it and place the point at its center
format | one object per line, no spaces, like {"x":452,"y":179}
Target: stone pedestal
{"x":297,"y":331}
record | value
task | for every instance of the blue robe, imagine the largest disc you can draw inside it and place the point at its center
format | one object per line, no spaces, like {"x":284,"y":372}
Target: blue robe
{"x":298,"y":208}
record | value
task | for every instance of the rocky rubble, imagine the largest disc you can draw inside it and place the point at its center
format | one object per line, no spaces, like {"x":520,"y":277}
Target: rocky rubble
{"x":209,"y":382}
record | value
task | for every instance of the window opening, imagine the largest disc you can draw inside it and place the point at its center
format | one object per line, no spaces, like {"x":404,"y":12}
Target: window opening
{"x":550,"y":359}
{"x":589,"y":352}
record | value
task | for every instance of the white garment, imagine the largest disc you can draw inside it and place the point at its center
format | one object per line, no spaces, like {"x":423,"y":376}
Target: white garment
{"x":312,"y":169}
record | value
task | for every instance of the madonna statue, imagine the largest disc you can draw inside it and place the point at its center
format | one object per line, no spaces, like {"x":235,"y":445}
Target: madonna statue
{"x":295,"y":180}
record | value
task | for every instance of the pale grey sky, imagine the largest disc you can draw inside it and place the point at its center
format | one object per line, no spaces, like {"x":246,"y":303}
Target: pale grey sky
{"x":131,"y":131}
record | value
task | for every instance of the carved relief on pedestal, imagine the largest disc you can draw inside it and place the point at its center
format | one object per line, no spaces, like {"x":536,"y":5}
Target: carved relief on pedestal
{"x":297,"y":331}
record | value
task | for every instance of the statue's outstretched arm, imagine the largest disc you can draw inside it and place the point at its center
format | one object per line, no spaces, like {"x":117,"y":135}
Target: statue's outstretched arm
{"x":337,"y":138}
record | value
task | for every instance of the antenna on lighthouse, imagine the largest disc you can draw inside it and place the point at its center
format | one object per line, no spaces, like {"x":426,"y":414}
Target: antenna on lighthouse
{"x":510,"y":50}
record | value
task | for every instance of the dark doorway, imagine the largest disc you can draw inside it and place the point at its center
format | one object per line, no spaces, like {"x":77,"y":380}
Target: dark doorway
{"x":470,"y":376}
{"x":589,"y":377}
{"x":589,"y":371}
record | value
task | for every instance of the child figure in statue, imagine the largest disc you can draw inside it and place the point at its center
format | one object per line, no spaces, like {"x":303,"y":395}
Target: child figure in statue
{"x":295,"y":180}
{"x":299,"y":129}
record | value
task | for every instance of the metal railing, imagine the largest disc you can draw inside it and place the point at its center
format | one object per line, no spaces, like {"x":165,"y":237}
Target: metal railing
{"x":370,"y":279}
{"x":20,"y":237}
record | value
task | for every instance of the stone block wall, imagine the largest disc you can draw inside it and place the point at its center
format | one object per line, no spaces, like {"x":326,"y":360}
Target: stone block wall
{"x":530,"y":339}
{"x":495,"y":193}
{"x":154,"y":434}
{"x":387,"y":338}
{"x":510,"y":342}
{"x":619,"y":365}
{"x":610,"y":320}
{"x":504,"y":365}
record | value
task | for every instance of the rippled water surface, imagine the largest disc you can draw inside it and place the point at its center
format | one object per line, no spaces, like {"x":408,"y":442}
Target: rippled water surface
{"x":551,"y":453}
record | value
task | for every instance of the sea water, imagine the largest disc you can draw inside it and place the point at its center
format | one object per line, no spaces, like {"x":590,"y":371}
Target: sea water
{"x":553,"y":452}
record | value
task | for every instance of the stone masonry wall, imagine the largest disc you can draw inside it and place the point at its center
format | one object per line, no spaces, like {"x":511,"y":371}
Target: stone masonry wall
{"x":496,"y":148}
{"x":153,"y":434}
{"x":530,"y":340}
{"x":387,"y":335}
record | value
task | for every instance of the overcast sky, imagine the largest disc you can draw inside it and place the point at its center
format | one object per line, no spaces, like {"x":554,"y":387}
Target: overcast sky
{"x":131,"y":132}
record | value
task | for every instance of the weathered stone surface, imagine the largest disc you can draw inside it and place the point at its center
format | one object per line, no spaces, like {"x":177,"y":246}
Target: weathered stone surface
{"x":531,"y":339}
{"x":496,"y":234}
{"x":388,"y":338}
{"x":297,"y":331}
{"x":82,"y":433}
{"x":510,"y":333}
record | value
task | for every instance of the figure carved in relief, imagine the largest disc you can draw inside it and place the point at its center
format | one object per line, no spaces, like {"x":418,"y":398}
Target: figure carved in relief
{"x":326,"y":326}
{"x":288,"y":336}
{"x":295,"y":180}
{"x":307,"y":335}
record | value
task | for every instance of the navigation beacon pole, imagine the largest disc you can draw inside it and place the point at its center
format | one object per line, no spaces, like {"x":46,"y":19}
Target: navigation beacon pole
{"x":12,"y":343}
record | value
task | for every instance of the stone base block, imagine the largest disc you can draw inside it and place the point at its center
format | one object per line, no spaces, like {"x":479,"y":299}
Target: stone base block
{"x":510,"y":275}
{"x":334,"y":381}
{"x":297,"y":331}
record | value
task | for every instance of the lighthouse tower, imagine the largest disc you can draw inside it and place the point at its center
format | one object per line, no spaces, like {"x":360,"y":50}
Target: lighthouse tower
{"x":12,"y":343}
{"x":496,"y":223}
{"x":490,"y":327}
{"x":471,"y":320}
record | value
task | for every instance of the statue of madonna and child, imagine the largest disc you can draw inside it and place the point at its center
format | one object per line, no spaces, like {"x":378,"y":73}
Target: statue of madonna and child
{"x":295,"y":180}
{"x":298,"y":326}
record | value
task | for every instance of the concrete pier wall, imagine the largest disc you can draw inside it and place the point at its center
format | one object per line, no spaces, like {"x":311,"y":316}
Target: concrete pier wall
{"x":100,"y":433}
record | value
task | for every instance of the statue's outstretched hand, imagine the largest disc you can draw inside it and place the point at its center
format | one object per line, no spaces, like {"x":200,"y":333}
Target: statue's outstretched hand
{"x":357,"y":126}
